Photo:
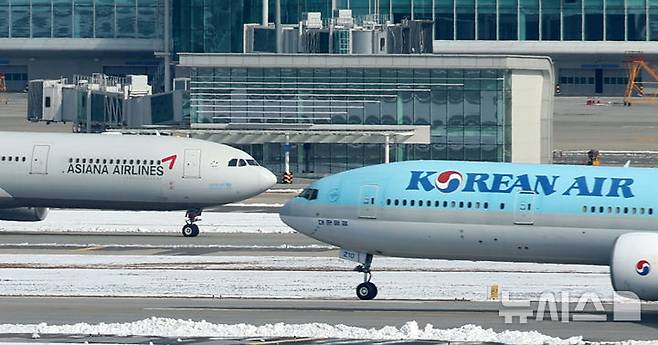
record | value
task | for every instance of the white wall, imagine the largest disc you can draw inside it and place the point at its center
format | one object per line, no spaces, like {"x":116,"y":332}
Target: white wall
{"x":528,"y":137}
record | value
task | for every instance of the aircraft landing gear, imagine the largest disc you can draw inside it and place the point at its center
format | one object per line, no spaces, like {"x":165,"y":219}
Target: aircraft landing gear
{"x":366,"y":290}
{"x":190,"y":229}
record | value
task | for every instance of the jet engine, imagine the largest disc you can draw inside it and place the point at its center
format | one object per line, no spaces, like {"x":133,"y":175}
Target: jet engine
{"x":24,"y":214}
{"x":632,"y":264}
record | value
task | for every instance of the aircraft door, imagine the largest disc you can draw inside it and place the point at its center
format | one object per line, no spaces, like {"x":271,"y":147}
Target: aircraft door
{"x":39,"y":164}
{"x":524,"y":207}
{"x":192,"y":167}
{"x":368,"y":197}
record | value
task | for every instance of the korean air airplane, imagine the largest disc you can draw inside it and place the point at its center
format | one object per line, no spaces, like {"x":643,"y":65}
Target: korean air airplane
{"x":122,"y":172}
{"x":488,"y":211}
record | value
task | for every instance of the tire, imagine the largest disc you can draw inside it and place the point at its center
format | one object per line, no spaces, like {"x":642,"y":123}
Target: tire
{"x":190,"y":230}
{"x":366,"y":291}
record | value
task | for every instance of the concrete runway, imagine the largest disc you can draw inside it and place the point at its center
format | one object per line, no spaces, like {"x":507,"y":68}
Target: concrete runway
{"x":441,"y":314}
{"x":378,"y":313}
{"x":218,"y":244}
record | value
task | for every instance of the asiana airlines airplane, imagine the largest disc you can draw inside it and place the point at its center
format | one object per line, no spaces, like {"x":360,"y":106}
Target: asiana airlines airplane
{"x":490,"y":212}
{"x":122,"y":172}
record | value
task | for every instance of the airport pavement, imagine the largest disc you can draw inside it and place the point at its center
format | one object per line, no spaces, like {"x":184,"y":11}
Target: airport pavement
{"x":171,"y":244}
{"x":367,"y":314}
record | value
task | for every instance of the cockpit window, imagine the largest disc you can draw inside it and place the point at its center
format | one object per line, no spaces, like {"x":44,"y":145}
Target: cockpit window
{"x":252,"y":162}
{"x":309,"y":194}
{"x":242,"y":163}
{"x":233,"y":162}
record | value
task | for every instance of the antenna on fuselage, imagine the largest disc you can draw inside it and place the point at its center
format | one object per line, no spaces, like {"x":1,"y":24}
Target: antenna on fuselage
{"x":628,"y":164}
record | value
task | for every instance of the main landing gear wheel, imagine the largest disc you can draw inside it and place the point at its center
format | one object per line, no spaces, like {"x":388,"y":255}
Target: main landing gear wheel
{"x":366,"y":291}
{"x":191,"y":230}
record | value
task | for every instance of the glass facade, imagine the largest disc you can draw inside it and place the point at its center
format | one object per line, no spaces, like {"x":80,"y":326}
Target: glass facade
{"x":468,"y":110}
{"x":81,"y":19}
{"x":546,"y":20}
{"x":210,"y":26}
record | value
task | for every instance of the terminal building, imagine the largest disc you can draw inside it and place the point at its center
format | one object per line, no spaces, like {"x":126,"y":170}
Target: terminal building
{"x":291,"y":85}
{"x":588,"y":40}
{"x":456,"y":107}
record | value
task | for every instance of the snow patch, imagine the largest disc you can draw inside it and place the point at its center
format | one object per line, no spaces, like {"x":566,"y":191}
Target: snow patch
{"x":172,"y":328}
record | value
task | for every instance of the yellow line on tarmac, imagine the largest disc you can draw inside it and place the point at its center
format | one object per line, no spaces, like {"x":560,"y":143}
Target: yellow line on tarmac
{"x":89,"y":249}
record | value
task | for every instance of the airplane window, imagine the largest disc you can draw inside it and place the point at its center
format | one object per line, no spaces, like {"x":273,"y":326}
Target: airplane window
{"x":242,"y":163}
{"x":436,"y":204}
{"x":372,"y":201}
{"x":158,"y":163}
{"x":397,"y":202}
{"x":429,"y":203}
{"x":70,"y":160}
{"x":4,"y":158}
{"x":17,"y":159}
{"x":634,"y":210}
{"x":131,"y":162}
{"x":584,"y":209}
{"x":609,"y":209}
{"x":593,"y":209}
{"x":125,"y":162}
{"x":469,"y":205}
{"x":388,"y":201}
{"x":309,"y":194}
{"x":412,"y":203}
{"x":502,"y":206}
{"x":642,"y":210}
{"x":461,"y":204}
{"x":252,"y":162}
{"x":445,"y":204}
{"x":98,"y":161}
{"x":24,"y":159}
{"x":151,"y":162}
{"x":650,"y":211}
{"x":617,"y":210}
{"x":10,"y":158}
{"x":138,"y":162}
{"x":145,"y":162}
{"x":625,"y":210}
{"x":404,"y":202}
{"x":601,"y":208}
{"x":420,"y":202}
{"x":104,"y":161}
{"x":477,"y":204}
{"x":233,"y":162}
{"x":453,"y":204}
{"x":84,"y":160}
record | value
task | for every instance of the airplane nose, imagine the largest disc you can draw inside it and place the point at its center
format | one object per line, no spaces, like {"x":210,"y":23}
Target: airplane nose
{"x":267,"y":178}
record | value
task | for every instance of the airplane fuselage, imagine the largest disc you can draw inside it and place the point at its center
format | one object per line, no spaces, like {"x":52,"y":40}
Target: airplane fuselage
{"x":123,"y":172}
{"x":479,"y":211}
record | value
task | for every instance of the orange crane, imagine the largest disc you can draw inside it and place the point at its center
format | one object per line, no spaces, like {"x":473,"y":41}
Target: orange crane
{"x":641,"y":92}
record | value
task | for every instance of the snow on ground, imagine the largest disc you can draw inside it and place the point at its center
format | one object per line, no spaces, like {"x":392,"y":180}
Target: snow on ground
{"x":172,"y":328}
{"x":287,"y":277}
{"x":293,"y":284}
{"x":150,"y":221}
{"x":280,"y":263}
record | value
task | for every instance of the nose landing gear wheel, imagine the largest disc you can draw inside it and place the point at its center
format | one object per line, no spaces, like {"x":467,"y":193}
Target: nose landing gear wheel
{"x":190,"y":230}
{"x":366,"y":291}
